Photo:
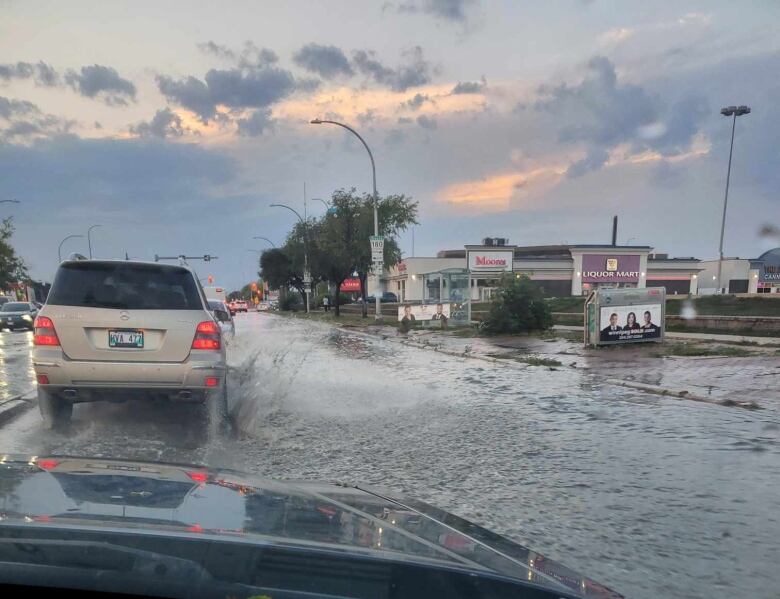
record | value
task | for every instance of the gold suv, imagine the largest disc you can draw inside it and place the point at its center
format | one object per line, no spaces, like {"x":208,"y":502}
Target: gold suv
{"x":117,"y":330}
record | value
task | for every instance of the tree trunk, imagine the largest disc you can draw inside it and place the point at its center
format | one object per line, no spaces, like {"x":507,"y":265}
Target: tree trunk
{"x":363,"y":291}
{"x":336,"y":297}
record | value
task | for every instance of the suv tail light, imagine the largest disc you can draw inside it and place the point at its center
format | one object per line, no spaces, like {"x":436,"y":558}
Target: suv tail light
{"x":44,"y":333}
{"x":207,"y":336}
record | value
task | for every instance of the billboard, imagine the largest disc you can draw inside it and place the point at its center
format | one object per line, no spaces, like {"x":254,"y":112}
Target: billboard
{"x":610,"y":268}
{"x":490,"y":260}
{"x":617,"y":316}
{"x":424,"y":312}
{"x":629,"y":323}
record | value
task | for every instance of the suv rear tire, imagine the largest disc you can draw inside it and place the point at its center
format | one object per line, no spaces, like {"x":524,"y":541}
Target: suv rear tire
{"x":217,"y":404}
{"x":56,"y":412}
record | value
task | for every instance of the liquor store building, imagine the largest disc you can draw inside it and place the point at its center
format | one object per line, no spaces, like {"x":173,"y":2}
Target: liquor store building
{"x":560,"y":270}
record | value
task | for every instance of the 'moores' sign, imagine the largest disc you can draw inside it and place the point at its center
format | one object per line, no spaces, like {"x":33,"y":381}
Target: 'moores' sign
{"x":605,"y":268}
{"x":491,"y":260}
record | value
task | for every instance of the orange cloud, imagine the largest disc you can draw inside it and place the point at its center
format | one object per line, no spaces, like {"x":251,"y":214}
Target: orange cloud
{"x":497,"y":191}
{"x":383,"y":104}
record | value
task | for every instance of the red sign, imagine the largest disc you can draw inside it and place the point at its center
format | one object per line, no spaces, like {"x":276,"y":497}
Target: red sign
{"x":350,"y":285}
{"x":484,"y":261}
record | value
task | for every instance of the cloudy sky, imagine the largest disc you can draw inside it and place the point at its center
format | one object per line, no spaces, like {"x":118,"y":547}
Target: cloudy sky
{"x":175,"y":124}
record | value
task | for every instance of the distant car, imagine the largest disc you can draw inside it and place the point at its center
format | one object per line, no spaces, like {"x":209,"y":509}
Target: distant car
{"x":387,"y":296}
{"x":118,"y":329}
{"x":232,"y":308}
{"x":242,"y":306}
{"x":215,"y":293}
{"x":263,"y":306}
{"x":224,"y":318}
{"x":18,"y":315}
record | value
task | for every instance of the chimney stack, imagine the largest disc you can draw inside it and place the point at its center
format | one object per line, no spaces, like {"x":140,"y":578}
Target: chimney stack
{"x":614,"y":230}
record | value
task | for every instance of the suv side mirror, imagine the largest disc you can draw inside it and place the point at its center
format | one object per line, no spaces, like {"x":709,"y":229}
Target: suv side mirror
{"x":222,"y":316}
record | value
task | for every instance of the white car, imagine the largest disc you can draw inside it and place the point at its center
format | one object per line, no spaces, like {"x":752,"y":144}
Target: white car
{"x":224,"y":318}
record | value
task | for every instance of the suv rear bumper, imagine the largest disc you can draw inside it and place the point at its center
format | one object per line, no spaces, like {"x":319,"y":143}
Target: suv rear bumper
{"x":166,"y":378}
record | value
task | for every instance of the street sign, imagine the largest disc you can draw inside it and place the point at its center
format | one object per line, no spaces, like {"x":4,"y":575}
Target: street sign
{"x":377,"y":248}
{"x":306,"y":278}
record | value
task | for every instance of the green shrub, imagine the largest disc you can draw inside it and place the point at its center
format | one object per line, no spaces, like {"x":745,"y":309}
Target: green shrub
{"x":290,"y":302}
{"x":518,"y":307}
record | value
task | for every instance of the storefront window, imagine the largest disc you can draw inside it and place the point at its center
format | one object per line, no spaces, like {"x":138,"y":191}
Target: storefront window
{"x":432,"y":288}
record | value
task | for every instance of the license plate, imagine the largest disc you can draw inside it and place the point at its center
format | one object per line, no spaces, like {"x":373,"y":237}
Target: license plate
{"x":134,"y":339}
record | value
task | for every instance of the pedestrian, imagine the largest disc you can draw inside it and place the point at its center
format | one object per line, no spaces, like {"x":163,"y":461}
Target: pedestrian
{"x":326,"y":303}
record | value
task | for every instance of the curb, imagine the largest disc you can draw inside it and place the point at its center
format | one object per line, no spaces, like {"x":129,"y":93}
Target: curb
{"x":683,"y":394}
{"x":16,"y":406}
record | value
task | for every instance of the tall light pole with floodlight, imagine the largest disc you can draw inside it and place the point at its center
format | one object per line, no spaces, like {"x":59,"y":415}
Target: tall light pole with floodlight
{"x":732,"y":111}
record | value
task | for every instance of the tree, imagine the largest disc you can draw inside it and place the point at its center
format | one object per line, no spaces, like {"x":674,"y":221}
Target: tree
{"x":12,"y":267}
{"x":518,"y":307}
{"x":276,"y":267}
{"x":395,"y":214}
{"x":337,"y":241}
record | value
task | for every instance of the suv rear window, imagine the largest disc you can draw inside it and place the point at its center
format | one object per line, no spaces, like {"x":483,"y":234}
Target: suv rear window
{"x":125,"y":286}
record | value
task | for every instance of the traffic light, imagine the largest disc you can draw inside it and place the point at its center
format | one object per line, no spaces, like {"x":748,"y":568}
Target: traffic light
{"x":211,"y":279}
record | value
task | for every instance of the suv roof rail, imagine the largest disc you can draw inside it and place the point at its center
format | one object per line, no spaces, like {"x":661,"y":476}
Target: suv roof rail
{"x":77,"y":256}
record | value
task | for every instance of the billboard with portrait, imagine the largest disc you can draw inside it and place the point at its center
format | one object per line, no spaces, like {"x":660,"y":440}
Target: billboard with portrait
{"x":630,"y":323}
{"x":424,"y":312}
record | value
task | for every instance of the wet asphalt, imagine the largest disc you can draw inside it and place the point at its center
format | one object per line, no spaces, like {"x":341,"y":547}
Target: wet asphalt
{"x":652,"y":496}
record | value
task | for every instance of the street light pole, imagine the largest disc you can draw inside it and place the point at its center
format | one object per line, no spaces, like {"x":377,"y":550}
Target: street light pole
{"x":89,"y":239}
{"x":734,"y":111}
{"x":324,"y":203}
{"x":378,"y":266}
{"x":306,"y":275}
{"x":265,"y":239}
{"x":59,"y":249}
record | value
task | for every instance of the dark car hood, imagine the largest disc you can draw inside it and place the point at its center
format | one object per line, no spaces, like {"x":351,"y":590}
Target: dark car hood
{"x":86,"y":493}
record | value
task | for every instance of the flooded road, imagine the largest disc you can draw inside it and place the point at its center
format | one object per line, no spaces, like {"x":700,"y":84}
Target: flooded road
{"x":654,"y":497}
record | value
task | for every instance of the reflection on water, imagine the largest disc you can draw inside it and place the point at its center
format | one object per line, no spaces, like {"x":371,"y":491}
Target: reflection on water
{"x":16,"y":373}
{"x":651,"y":496}
{"x":625,"y":486}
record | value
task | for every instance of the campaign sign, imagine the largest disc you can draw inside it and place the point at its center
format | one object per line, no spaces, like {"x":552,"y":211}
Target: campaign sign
{"x":630,"y":323}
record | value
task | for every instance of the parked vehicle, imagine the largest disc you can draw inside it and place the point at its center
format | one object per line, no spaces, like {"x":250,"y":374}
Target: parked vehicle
{"x":126,"y":330}
{"x":387,"y":297}
{"x":18,"y":315}
{"x":242,"y":306}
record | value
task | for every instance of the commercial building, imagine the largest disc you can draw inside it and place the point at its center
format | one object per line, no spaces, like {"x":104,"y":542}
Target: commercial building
{"x":739,"y":275}
{"x":560,"y":270}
